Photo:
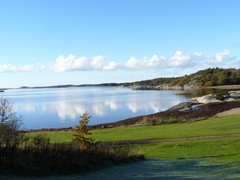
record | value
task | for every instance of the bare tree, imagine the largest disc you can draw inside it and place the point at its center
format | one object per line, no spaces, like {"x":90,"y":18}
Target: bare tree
{"x":10,"y":123}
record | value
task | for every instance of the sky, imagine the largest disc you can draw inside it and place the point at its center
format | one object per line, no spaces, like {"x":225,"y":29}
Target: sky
{"x":56,"y":42}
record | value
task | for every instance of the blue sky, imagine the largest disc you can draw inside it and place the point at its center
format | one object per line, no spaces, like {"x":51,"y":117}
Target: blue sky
{"x":51,"y":42}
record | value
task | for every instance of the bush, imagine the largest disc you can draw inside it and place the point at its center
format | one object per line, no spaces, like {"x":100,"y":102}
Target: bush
{"x":221,"y":95}
{"x":40,"y":140}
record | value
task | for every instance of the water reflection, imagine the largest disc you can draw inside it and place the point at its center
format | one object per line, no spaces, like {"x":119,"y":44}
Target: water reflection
{"x":66,"y":110}
{"x":62,"y":107}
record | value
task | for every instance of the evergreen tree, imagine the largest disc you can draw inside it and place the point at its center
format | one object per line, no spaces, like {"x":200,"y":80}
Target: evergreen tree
{"x":81,"y":132}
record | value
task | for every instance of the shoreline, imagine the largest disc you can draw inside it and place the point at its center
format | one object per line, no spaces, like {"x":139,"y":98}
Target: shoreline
{"x":192,"y":110}
{"x":224,"y":87}
{"x":203,"y":111}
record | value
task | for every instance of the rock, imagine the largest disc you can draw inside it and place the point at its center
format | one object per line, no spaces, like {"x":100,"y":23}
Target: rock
{"x":206,"y":99}
{"x":191,"y":87}
{"x":230,"y":100}
{"x":178,"y":106}
{"x":185,"y":106}
{"x":234,"y":94}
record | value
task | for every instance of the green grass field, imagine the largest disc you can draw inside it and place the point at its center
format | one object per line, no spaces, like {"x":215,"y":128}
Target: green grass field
{"x":224,"y":151}
{"x":227,"y":125}
{"x":213,"y":126}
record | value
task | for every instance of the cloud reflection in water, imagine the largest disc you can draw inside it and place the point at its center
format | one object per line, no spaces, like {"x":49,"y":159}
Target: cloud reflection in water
{"x":64,"y":107}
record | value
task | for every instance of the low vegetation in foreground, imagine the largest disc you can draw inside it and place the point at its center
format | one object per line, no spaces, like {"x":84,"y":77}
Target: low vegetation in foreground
{"x":21,"y":155}
{"x":51,"y":159}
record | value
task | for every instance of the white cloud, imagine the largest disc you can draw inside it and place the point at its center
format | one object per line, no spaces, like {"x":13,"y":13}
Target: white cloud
{"x":179,"y":59}
{"x":134,"y":63}
{"x":152,"y":63}
{"x":10,"y":68}
{"x":113,"y":65}
{"x":97,"y":62}
{"x":155,"y":61}
{"x":180,"y":62}
{"x":72,"y":63}
{"x":219,"y":57}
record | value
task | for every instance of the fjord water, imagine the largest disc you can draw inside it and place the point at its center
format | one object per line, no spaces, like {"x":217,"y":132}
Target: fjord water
{"x":62,"y":107}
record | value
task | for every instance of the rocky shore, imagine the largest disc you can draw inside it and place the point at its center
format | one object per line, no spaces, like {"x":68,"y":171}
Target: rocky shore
{"x":185,"y":87}
{"x":211,"y":98}
{"x":196,"y":109}
{"x":179,"y":114}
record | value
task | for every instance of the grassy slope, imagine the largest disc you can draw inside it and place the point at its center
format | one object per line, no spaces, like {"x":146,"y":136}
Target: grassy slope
{"x":223,"y":154}
{"x":213,"y":126}
{"x":220,"y":150}
{"x":224,"y":150}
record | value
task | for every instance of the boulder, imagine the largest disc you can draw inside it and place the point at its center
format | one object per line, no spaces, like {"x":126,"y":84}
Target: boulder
{"x":206,"y":99}
{"x":234,"y":94}
{"x":230,"y":100}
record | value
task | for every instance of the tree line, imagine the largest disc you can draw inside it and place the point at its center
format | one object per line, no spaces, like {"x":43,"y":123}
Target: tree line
{"x":203,"y":78}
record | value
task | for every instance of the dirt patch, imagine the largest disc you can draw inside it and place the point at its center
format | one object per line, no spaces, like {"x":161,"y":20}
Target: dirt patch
{"x":229,"y":112}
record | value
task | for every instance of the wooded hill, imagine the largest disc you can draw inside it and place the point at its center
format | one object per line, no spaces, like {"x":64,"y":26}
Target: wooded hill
{"x":203,"y":78}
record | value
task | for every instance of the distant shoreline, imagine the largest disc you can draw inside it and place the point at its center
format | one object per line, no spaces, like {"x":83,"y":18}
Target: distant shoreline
{"x":127,"y":85}
{"x":224,"y":87}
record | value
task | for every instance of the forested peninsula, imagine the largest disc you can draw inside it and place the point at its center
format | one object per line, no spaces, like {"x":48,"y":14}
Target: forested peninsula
{"x":209,"y":78}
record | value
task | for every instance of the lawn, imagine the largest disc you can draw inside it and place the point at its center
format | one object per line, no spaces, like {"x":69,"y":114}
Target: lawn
{"x":210,"y":127}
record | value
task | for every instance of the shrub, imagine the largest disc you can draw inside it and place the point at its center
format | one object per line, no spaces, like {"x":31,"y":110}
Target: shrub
{"x":221,"y":95}
{"x":40,"y":140}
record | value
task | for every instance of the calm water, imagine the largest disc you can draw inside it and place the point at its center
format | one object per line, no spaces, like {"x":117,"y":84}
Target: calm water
{"x":56,"y":108}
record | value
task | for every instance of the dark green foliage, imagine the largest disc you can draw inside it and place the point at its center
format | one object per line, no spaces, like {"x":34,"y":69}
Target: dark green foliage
{"x":215,"y":77}
{"x":208,"y":77}
{"x":221,"y":95}
{"x":54,"y":159}
{"x":155,"y":82}
{"x":40,"y":140}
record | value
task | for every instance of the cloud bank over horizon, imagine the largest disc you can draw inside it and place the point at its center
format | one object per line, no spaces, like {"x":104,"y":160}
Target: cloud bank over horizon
{"x":178,"y":61}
